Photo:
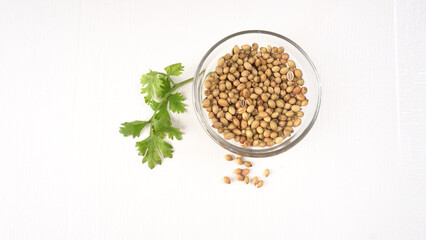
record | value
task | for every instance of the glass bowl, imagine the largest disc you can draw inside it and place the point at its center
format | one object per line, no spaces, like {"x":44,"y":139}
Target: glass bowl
{"x":263,"y":38}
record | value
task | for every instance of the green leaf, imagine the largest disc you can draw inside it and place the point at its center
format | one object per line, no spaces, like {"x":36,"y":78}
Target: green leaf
{"x":151,"y":85}
{"x":176,"y":103}
{"x":165,"y":82}
{"x":174,"y":133}
{"x":174,"y":69}
{"x":151,"y":148}
{"x":154,"y":105}
{"x":133,"y":128}
{"x":162,"y":124}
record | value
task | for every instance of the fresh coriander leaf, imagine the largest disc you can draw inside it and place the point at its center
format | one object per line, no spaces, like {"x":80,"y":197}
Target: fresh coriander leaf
{"x":161,"y":120}
{"x":156,"y":86}
{"x":162,"y":124}
{"x":176,"y":103}
{"x":151,"y":147}
{"x":151,"y":85}
{"x":165,"y":82}
{"x":174,"y":69}
{"x":133,"y":128}
{"x":174,"y":133}
{"x":154,"y":105}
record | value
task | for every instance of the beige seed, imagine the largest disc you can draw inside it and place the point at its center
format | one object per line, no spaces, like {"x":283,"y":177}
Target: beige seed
{"x":205,"y":103}
{"x":297,"y":90}
{"x":246,"y":93}
{"x":217,"y":125}
{"x":236,"y":122}
{"x":229,"y":136}
{"x":241,"y":110}
{"x":249,"y":134}
{"x":287,"y":133}
{"x":266,"y":172}
{"x":228,"y":157}
{"x":291,"y":64}
{"x":239,"y":161}
{"x":247,"y":164}
{"x":255,"y":180}
{"x":246,"y":180}
{"x":275,"y":69}
{"x":290,"y":76}
{"x":295,"y":108}
{"x":300,"y":97}
{"x":262,"y":114}
{"x":238,"y":171}
{"x":245,"y":172}
{"x":258,"y":90}
{"x":298,"y":73}
{"x":304,"y":102}
{"x":250,"y":108}
{"x":222,"y":102}
{"x":248,"y":66}
{"x":297,"y":122}
{"x":255,"y":124}
{"x":289,"y":114}
{"x":273,"y":125}
{"x":221,"y":61}
{"x":259,"y":184}
{"x":226,"y":180}
{"x":243,"y":124}
{"x":278,"y":140}
{"x":239,"y":177}
{"x":236,"y":49}
{"x":246,"y":47}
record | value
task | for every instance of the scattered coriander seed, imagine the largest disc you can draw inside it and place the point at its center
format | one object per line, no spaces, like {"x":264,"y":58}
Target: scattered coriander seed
{"x":226,"y":180}
{"x":267,"y":172}
{"x":247,"y":164}
{"x":246,"y":179}
{"x":238,"y":171}
{"x":239,"y":161}
{"x":240,"y":177}
{"x":255,"y":180}
{"x":245,"y":172}
{"x":229,"y":157}
{"x":259,"y":184}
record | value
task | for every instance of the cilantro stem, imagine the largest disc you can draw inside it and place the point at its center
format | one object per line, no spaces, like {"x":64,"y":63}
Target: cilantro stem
{"x":167,"y":96}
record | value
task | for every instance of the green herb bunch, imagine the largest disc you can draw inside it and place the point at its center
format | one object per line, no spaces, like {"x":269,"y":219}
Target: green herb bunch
{"x":158,"y":89}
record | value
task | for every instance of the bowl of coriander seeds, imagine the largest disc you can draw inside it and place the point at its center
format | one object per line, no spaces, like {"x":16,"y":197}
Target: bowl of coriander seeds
{"x":256,"y":93}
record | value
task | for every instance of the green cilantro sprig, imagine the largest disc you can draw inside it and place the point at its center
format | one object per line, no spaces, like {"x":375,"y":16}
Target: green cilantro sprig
{"x":158,"y":88}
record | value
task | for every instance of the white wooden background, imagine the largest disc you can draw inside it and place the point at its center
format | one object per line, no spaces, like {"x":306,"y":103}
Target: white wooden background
{"x":69,"y":73}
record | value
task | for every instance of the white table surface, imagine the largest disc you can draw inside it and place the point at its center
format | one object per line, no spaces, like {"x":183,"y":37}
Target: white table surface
{"x":69,"y":73}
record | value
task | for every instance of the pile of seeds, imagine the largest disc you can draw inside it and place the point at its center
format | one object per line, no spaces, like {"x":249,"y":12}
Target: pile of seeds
{"x":242,"y":174}
{"x":255,"y":95}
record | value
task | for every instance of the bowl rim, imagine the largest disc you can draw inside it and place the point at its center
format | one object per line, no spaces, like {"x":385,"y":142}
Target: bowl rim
{"x":254,"y":153}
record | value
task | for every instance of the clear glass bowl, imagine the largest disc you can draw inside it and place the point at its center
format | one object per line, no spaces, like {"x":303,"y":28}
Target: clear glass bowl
{"x":263,"y":38}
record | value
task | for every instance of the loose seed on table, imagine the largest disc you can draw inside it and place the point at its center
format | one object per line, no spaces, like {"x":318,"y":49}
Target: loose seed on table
{"x":259,"y":184}
{"x":267,"y":172}
{"x":229,"y":157}
{"x":245,"y":172}
{"x":247,"y":164}
{"x":239,"y":161}
{"x":226,"y":180}
{"x":246,"y":179}
{"x":240,"y":177}
{"x":255,"y":180}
